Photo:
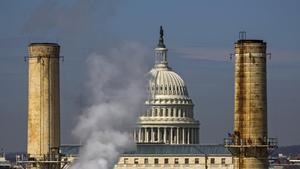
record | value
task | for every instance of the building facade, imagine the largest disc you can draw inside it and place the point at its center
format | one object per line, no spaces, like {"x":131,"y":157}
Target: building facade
{"x":167,"y":135}
{"x":176,"y":156}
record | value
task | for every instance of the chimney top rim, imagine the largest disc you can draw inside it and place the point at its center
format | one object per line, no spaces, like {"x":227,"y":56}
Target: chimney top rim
{"x":250,"y":41}
{"x":44,"y":44}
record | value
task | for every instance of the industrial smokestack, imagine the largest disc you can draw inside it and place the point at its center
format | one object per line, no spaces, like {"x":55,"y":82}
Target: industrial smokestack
{"x":43,"y":100}
{"x":249,"y":142}
{"x":250,"y":115}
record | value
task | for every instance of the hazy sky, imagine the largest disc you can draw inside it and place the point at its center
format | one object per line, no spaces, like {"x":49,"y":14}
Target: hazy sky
{"x":199,"y":35}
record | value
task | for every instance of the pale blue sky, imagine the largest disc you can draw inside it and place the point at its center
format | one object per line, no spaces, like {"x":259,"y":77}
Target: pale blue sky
{"x":199,"y":35}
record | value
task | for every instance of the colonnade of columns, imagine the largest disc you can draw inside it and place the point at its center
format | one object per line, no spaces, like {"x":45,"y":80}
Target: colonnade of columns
{"x":170,"y":112}
{"x":167,"y":135}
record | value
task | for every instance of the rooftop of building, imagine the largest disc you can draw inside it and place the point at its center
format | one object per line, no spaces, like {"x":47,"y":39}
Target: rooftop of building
{"x":191,"y":149}
{"x":162,"y":149}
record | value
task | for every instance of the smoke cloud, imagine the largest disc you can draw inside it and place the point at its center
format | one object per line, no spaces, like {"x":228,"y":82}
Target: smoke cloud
{"x":116,"y":92}
{"x":74,"y":16}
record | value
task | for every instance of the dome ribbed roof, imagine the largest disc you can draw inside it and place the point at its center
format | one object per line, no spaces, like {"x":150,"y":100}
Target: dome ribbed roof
{"x":164,"y":81}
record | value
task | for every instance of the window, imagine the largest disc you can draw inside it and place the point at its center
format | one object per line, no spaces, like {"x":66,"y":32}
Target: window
{"x":186,"y":161}
{"x":149,"y":112}
{"x":223,"y":160}
{"x":136,"y":161}
{"x":176,"y":160}
{"x":212,"y":161}
{"x":146,"y":161}
{"x":167,"y":112}
{"x":166,"y":161}
{"x":196,"y":160}
{"x":156,"y":161}
{"x":125,"y":160}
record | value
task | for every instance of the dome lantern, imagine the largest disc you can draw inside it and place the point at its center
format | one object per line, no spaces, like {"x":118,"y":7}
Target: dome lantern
{"x":161,"y":38}
{"x":161,"y":51}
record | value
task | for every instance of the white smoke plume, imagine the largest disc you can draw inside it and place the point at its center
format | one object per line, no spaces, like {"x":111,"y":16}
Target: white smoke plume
{"x":117,"y":90}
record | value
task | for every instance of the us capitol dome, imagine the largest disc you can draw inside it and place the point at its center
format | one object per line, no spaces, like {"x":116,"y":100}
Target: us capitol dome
{"x":169,"y":115}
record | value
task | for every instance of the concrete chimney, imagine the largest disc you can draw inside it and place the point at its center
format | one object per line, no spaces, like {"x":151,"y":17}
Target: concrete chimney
{"x":43,"y":138}
{"x":250,"y":110}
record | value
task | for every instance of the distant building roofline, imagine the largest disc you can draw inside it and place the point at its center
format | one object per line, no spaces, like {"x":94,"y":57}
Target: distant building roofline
{"x":179,"y":150}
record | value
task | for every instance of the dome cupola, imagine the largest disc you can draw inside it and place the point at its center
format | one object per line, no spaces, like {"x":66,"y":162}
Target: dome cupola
{"x":164,"y":82}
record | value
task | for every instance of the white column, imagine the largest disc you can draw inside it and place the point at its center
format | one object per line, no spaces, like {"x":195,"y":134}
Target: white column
{"x":146,"y":134}
{"x":183,"y":136}
{"x":177,"y":135}
{"x":188,"y":136}
{"x":140,"y":134}
{"x":152,"y":135}
{"x":158,"y":134}
{"x":171,"y":135}
{"x":149,"y":135}
{"x":165,"y":135}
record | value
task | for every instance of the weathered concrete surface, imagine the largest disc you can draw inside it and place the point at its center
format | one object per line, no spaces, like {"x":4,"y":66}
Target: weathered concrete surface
{"x":250,"y":116}
{"x":43,"y":99}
